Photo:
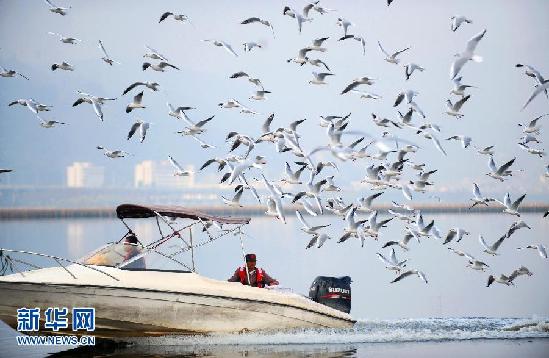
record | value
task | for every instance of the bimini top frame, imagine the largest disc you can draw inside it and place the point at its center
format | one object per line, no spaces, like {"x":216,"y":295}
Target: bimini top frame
{"x":164,"y":213}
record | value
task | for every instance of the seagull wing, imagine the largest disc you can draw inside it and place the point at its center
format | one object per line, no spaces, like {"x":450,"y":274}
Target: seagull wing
{"x":401,"y":51}
{"x":483,"y":243}
{"x":103,"y":49}
{"x":382,"y":50}
{"x":384,"y":259}
{"x":436,"y":142}
{"x":97,"y":109}
{"x":143,"y":128}
{"x":404,"y":275}
{"x":505,"y":166}
{"x":539,"y":88}
{"x":393,"y":257}
{"x":138,"y":97}
{"x":132,"y":86}
{"x":351,"y":86}
{"x":517,"y":202}
{"x":203,"y":122}
{"x":457,"y":65}
{"x":301,"y":219}
{"x":175,"y":164}
{"x":476,"y":191}
{"x":473,"y":42}
{"x":228,"y":47}
{"x":251,"y":20}
{"x":165,"y":16}
{"x":497,"y":244}
{"x":133,"y":129}
{"x":156,"y":53}
{"x":458,"y":104}
{"x":238,"y":194}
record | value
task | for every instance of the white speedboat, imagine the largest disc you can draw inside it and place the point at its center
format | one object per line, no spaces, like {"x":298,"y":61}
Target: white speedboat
{"x":138,"y":301}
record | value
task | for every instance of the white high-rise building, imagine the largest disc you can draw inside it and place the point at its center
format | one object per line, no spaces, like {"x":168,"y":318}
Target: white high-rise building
{"x":85,"y":175}
{"x":152,"y":174}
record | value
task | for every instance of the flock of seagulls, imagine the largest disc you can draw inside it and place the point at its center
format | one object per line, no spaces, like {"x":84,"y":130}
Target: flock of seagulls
{"x":307,"y":181}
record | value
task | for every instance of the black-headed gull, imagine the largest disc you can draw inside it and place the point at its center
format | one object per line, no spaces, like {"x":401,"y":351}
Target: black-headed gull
{"x":392,"y":58}
{"x":66,"y":39}
{"x":178,"y":168}
{"x":392,"y":263}
{"x":452,"y":109}
{"x":467,"y":55}
{"x":136,"y":103}
{"x":409,"y":68}
{"x":457,"y":21}
{"x":160,"y":67}
{"x":410,"y":273}
{"x":57,"y":9}
{"x":223,"y":44}
{"x":357,"y":38}
{"x":252,"y":20}
{"x":500,"y":172}
{"x":10,"y":73}
{"x":113,"y":153}
{"x":478,"y":198}
{"x":153,"y":86}
{"x":542,"y":251}
{"x":319,"y":78}
{"x":142,"y":126}
{"x":108,"y":60}
{"x":62,"y":66}
{"x":177,"y":17}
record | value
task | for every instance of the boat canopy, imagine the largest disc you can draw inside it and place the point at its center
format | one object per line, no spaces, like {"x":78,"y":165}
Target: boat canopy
{"x":140,"y":211}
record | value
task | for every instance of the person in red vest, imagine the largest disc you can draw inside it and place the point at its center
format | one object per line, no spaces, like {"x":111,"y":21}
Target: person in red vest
{"x":258,"y":276}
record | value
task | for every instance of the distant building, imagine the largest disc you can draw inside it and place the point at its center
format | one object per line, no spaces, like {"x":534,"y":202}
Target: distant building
{"x":152,"y":174}
{"x":85,"y":175}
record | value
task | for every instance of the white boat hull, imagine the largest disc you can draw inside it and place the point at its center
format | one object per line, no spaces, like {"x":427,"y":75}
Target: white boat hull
{"x":149,"y":311}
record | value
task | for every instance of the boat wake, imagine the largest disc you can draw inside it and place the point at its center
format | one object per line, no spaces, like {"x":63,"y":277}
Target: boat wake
{"x":377,"y":331}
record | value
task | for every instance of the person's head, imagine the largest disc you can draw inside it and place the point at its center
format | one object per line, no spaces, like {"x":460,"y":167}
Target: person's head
{"x":130,"y":242}
{"x":250,"y":261}
{"x":131,"y":239}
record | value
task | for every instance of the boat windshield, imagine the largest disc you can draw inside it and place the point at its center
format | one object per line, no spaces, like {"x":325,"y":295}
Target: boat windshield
{"x":115,"y":255}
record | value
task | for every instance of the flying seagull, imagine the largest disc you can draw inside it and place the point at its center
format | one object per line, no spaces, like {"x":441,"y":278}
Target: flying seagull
{"x":106,"y":56}
{"x":10,"y":73}
{"x":458,"y":20}
{"x":142,"y":126}
{"x":223,"y":44}
{"x":410,"y":273}
{"x":153,"y":86}
{"x":66,"y":39}
{"x":177,"y":17}
{"x":467,"y":55}
{"x":392,"y":58}
{"x":57,"y":9}
{"x":113,"y":153}
{"x":252,"y":20}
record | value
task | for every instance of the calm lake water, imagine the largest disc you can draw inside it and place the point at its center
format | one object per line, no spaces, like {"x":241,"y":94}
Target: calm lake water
{"x":387,"y":313}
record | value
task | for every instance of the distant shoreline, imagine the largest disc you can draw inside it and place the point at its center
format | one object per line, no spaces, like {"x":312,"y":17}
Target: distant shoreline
{"x":110,"y":212}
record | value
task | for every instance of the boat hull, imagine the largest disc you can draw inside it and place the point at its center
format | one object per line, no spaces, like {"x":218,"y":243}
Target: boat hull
{"x":125,"y":312}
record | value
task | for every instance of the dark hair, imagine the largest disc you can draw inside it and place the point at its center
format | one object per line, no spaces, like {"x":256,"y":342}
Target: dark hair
{"x":250,"y":258}
{"x":131,"y":239}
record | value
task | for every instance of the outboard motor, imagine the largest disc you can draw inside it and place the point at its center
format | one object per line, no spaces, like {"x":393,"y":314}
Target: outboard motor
{"x":334,"y":292}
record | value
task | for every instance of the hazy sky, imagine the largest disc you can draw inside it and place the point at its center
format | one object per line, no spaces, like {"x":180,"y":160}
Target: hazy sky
{"x":516,"y":32}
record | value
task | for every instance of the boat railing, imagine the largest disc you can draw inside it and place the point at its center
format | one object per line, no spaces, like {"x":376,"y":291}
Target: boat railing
{"x":7,"y":262}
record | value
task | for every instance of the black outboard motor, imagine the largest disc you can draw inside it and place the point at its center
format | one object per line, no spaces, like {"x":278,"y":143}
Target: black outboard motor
{"x":333,"y":292}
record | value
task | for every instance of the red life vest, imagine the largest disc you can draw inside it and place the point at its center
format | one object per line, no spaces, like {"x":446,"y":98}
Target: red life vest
{"x":258,"y":275}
